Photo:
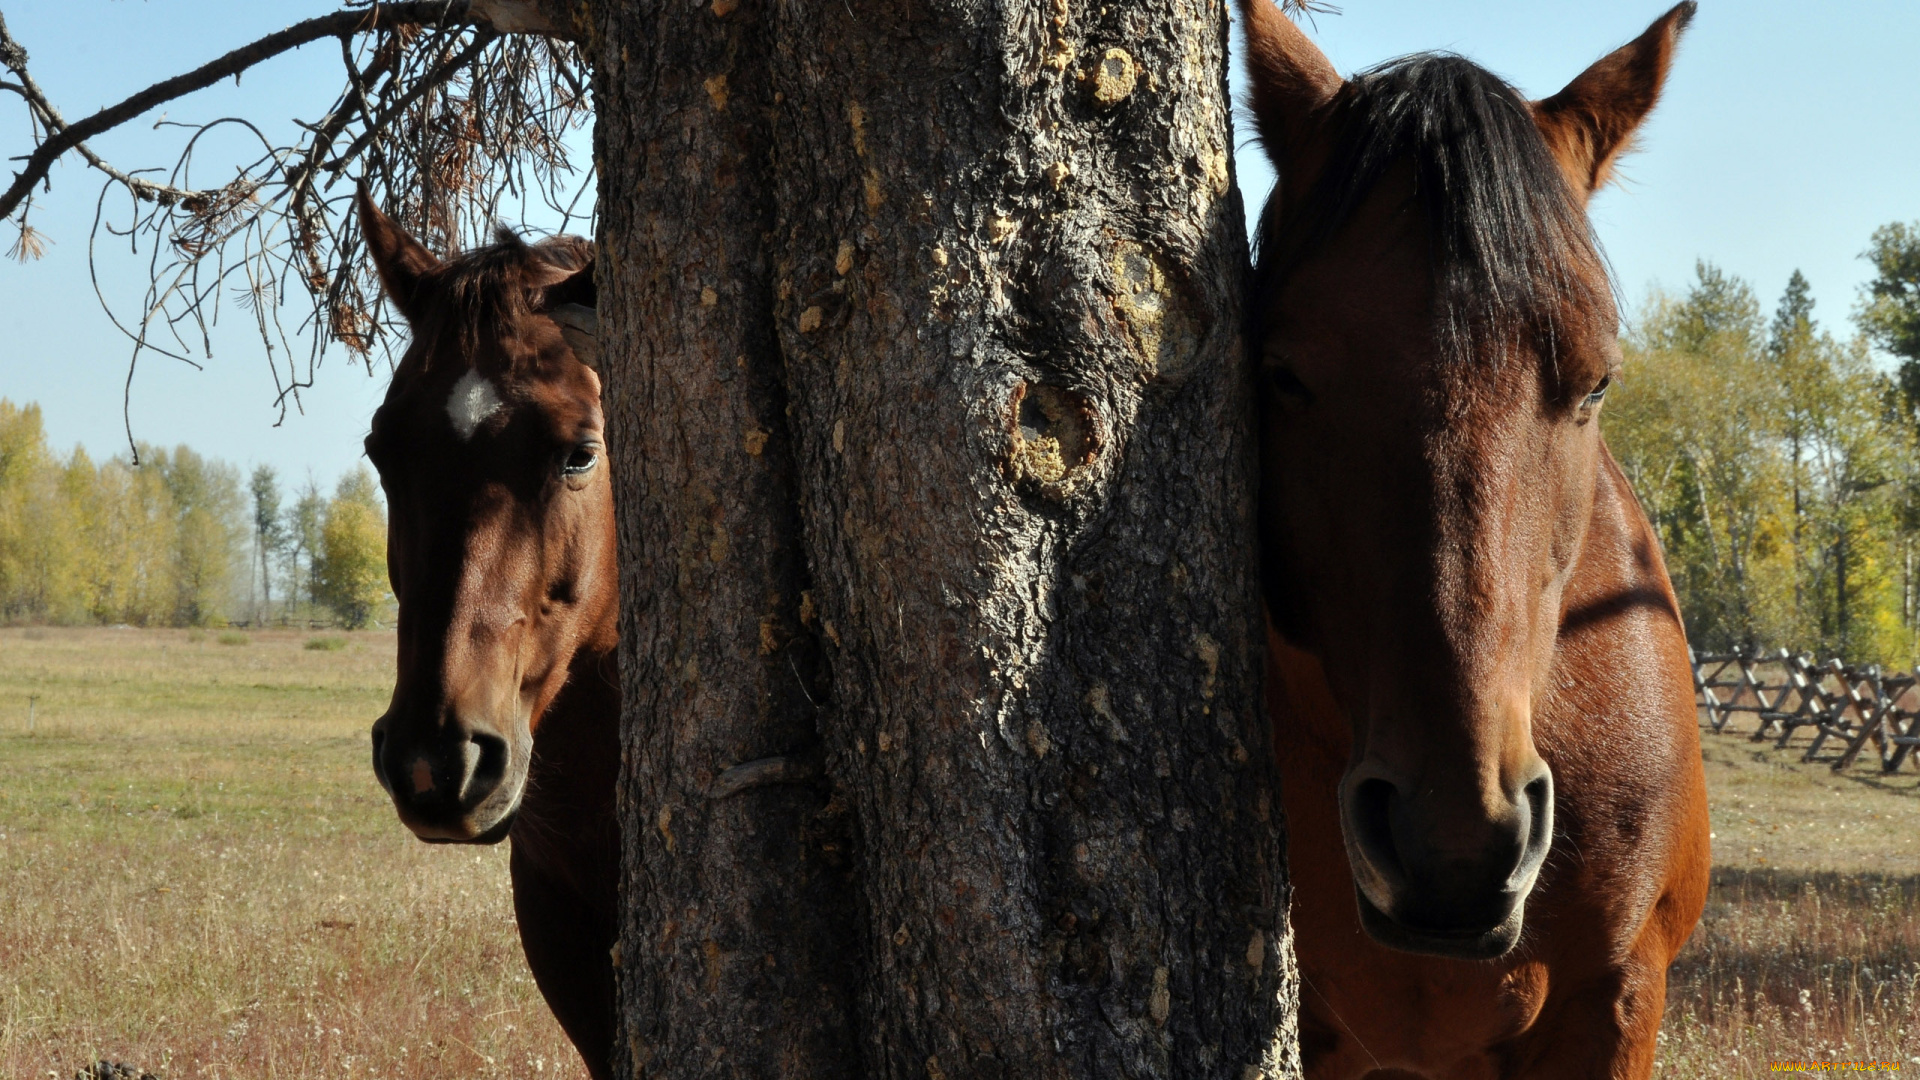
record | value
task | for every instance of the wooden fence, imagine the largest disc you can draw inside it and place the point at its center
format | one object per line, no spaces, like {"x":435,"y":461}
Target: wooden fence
{"x":1843,"y":707}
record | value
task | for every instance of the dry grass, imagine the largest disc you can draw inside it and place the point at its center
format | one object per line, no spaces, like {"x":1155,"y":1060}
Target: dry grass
{"x":1810,"y":946}
{"x":200,"y":876}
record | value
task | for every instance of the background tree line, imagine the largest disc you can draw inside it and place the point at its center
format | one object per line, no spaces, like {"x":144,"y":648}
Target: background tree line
{"x":1779,"y":462}
{"x":179,"y":539}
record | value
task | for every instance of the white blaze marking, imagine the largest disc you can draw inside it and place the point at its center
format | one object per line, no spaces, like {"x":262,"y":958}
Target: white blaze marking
{"x":473,"y":400}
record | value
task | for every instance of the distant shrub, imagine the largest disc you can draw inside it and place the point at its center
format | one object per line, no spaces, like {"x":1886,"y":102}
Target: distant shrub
{"x":326,"y":644}
{"x":195,"y":637}
{"x":234,"y":638}
{"x":351,"y":567}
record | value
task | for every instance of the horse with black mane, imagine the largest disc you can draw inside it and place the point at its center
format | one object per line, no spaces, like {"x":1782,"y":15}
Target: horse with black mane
{"x":504,"y":719}
{"x":1482,"y":703}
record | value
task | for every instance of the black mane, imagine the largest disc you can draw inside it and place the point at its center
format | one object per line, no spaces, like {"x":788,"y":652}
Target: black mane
{"x":1508,"y":235}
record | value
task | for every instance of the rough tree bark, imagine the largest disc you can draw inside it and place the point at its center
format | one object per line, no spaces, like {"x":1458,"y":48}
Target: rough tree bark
{"x":733,"y":957}
{"x":932,"y":444}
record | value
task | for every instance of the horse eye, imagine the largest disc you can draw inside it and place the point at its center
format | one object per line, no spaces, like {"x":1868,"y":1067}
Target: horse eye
{"x":581,"y":461}
{"x":1599,"y":393}
{"x":1288,"y":385}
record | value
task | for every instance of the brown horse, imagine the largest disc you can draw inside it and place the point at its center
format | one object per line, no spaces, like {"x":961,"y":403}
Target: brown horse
{"x":501,"y":552}
{"x":1479,"y":682}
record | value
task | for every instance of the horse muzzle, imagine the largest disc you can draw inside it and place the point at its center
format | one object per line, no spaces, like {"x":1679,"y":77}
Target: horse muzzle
{"x":458,"y":783}
{"x":1433,"y":883}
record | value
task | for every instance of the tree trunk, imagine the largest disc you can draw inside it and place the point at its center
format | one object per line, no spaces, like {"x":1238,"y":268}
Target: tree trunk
{"x":927,"y":402}
{"x":733,"y":953}
{"x":266,"y":580}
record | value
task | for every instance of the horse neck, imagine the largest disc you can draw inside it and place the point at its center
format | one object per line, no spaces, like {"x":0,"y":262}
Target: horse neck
{"x":583,"y":719}
{"x":1620,"y":569}
{"x":1308,"y":722}
{"x":566,"y":820}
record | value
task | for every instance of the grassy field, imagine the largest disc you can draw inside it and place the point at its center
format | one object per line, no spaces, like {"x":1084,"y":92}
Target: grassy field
{"x":199,"y":876}
{"x":1810,"y":946}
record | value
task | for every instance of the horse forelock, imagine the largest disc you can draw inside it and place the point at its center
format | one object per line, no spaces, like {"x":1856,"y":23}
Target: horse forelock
{"x":479,"y":301}
{"x":1510,"y":246}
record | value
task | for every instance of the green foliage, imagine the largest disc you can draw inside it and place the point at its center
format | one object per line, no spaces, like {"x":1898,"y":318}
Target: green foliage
{"x":1890,"y":311}
{"x":326,"y":644}
{"x":1719,"y":313}
{"x":127,"y":517}
{"x":165,"y":542}
{"x":303,"y":541}
{"x":351,"y":569}
{"x":266,"y":503}
{"x":1890,"y":314}
{"x":269,"y":530}
{"x":1777,"y":475}
{"x":1689,"y":426}
{"x":35,"y":575}
{"x":208,"y":511}
{"x":231,"y":637}
{"x":1793,"y":319}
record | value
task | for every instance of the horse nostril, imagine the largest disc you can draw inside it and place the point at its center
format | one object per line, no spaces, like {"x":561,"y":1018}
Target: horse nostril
{"x":1371,"y":812}
{"x":379,"y":768}
{"x":1539,"y":792}
{"x":487,"y":755}
{"x":1539,"y":802}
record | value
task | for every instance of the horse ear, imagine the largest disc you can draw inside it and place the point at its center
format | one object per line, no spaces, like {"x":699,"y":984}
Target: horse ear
{"x":571,"y":300}
{"x":1293,"y":81}
{"x":543,"y":275}
{"x":580,"y":326}
{"x":563,"y":285}
{"x":1590,"y":123}
{"x":401,"y":259}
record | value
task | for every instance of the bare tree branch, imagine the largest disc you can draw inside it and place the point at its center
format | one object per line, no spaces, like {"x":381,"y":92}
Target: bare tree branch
{"x":50,"y":118}
{"x":447,"y":107}
{"x":64,"y":137}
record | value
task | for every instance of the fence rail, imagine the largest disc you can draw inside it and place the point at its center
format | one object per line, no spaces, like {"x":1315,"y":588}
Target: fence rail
{"x":1842,"y":706}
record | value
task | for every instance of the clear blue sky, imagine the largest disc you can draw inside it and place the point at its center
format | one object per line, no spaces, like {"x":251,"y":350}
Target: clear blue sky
{"x":1786,"y":135}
